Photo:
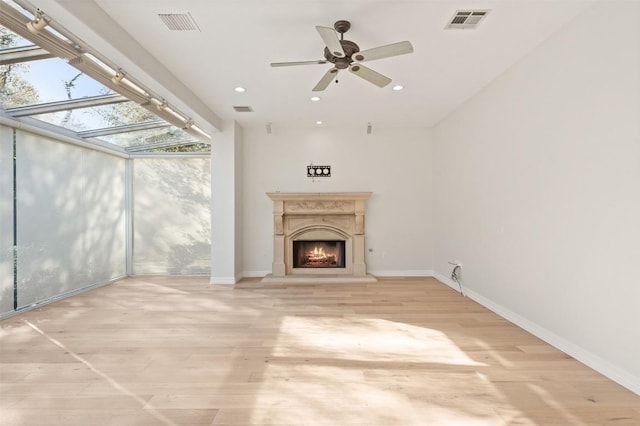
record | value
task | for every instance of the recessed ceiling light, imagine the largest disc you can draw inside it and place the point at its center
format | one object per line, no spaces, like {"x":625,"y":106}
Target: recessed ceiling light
{"x":315,"y":98}
{"x":240,"y":89}
{"x":398,"y":87}
{"x":318,"y":122}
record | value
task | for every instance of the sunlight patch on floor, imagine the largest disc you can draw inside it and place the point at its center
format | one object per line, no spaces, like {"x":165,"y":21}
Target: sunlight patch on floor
{"x":367,"y":339}
{"x":329,"y":365}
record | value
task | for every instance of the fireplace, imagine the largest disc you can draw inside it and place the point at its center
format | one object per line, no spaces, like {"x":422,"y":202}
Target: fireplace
{"x":318,"y":254}
{"x":319,"y":236}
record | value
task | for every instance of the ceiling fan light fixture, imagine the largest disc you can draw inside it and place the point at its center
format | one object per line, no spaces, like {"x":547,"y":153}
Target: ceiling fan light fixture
{"x":319,"y":122}
{"x":240,"y":89}
{"x":315,"y":98}
{"x":398,"y":87}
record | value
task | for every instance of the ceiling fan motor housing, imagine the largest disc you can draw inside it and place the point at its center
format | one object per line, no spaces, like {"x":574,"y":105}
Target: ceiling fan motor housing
{"x":349,"y":48}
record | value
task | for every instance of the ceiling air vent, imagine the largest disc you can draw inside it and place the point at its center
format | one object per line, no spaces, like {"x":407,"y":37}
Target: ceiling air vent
{"x":243,"y":109}
{"x":467,"y":19}
{"x":179,"y":21}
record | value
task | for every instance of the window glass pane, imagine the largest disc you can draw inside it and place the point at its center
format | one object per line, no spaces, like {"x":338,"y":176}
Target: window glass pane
{"x":197,"y":147}
{"x":6,"y":220}
{"x":124,"y":113}
{"x":46,"y":80}
{"x":149,"y":136}
{"x":9,"y":39}
{"x":98,"y":117}
{"x":71,"y":227}
{"x":176,"y":238}
{"x":56,"y":80}
{"x":15,"y":87}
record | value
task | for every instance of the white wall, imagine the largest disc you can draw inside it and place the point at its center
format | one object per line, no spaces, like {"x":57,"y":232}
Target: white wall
{"x":6,"y":220}
{"x":394,"y":164}
{"x":171,"y":216}
{"x":537,"y":191}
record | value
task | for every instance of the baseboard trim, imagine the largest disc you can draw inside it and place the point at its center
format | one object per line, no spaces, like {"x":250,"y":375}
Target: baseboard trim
{"x":622,"y":377}
{"x":223,"y":280}
{"x":255,"y":274}
{"x":405,"y":273}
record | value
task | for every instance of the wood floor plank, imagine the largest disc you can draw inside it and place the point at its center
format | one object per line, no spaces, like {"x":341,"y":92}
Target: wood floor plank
{"x":180,"y":351}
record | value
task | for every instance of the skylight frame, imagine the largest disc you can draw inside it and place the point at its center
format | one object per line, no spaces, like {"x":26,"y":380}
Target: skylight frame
{"x":20,"y":54}
{"x":68,"y":105}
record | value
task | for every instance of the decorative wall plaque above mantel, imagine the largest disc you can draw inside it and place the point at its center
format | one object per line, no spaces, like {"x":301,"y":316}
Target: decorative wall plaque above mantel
{"x":318,"y":171}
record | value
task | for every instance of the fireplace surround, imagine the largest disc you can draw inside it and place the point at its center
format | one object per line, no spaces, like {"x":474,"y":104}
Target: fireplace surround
{"x":319,"y":217}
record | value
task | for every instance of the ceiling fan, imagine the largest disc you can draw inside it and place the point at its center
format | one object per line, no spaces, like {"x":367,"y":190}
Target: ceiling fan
{"x":346,"y":54}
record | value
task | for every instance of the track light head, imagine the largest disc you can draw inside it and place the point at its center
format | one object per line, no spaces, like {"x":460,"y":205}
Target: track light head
{"x":117,"y":78}
{"x":163,"y":105}
{"x":369,"y":128}
{"x":37,"y":23}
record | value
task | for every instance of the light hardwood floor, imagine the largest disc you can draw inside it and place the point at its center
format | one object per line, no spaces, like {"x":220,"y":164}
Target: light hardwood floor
{"x":179,"y":351}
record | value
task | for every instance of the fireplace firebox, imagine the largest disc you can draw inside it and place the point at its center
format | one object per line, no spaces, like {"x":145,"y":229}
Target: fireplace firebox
{"x":319,"y":254}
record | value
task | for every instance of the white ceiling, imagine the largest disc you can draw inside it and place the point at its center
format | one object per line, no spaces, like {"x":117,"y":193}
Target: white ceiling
{"x":240,"y":38}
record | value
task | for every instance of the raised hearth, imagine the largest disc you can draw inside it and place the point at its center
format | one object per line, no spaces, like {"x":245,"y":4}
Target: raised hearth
{"x":307,"y":225}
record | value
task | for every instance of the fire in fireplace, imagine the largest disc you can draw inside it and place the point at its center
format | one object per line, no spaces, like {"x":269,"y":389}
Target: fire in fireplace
{"x":319,"y":254}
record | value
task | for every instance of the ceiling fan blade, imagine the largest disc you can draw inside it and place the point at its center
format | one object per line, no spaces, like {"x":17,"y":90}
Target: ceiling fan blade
{"x":326,"y":80}
{"x":370,"y":75}
{"x":330,"y":38}
{"x":287,"y":64}
{"x":395,"y":49}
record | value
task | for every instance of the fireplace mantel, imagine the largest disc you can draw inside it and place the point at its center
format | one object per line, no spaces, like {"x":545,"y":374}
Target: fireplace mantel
{"x":319,"y":215}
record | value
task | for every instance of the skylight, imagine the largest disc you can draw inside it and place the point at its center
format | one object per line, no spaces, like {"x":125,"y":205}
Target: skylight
{"x":72,"y":93}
